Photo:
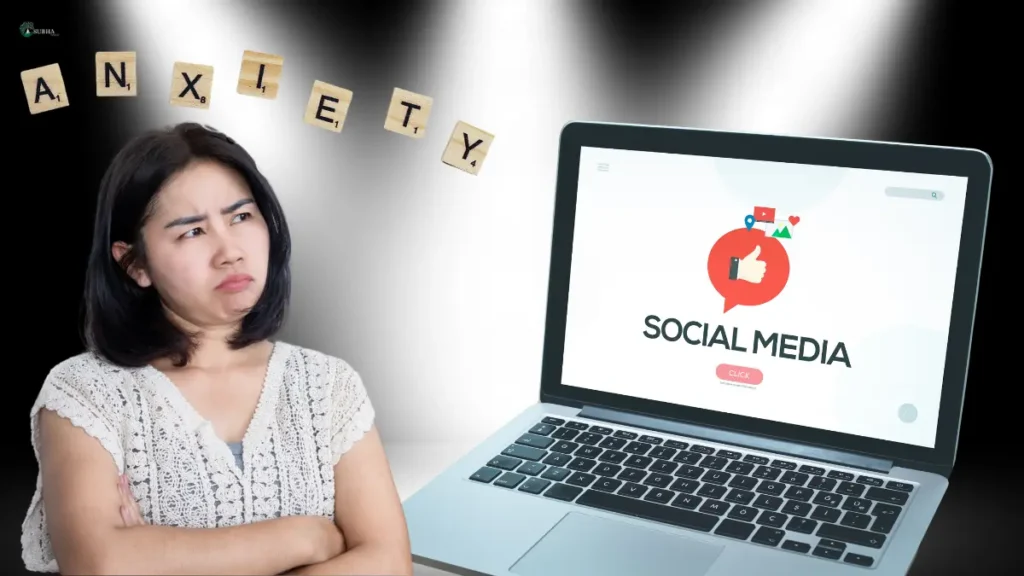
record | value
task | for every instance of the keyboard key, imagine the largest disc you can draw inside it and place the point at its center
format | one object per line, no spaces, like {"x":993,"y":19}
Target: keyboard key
{"x":687,"y":458}
{"x":611,"y":443}
{"x":826,"y":514}
{"x":888,"y":496}
{"x":768,"y":536}
{"x":734,"y":529}
{"x":534,"y":485}
{"x":870,"y":480}
{"x":648,"y":510}
{"x":797,"y":508}
{"x":801,"y":494}
{"x":700,"y":449}
{"x":582,"y":464}
{"x":714,"y":462}
{"x":635,"y":461}
{"x":589,"y":438}
{"x":716,"y":507}
{"x":766,"y":473}
{"x":773,"y":519}
{"x":524,"y":452}
{"x":771,"y":488}
{"x":858,"y":559}
{"x":660,"y":496}
{"x":632,"y":475}
{"x":613,"y":456}
{"x":901,"y":486}
{"x":801,"y":525}
{"x":542,"y":429}
{"x":886,"y":511}
{"x":676,"y":444}
{"x":632,"y":490}
{"x":504,"y":462}
{"x":795,"y":478}
{"x":829,"y":553}
{"x":663,"y":453}
{"x":857,"y":505}
{"x":650,"y":439}
{"x":851,"y":535}
{"x":553,"y":421}
{"x":624,"y":434}
{"x":855,"y":520}
{"x":688,"y":501}
{"x":607,"y":484}
{"x":556,"y":474}
{"x":760,"y":460}
{"x":600,"y":430}
{"x":637,"y":448}
{"x":883,"y":524}
{"x":822,"y":483}
{"x":577,"y":425}
{"x":740,"y":496}
{"x":531,"y":468}
{"x":716,"y":477}
{"x":581,"y":479}
{"x":605,"y":469}
{"x":745,"y":513}
{"x":485,"y":474}
{"x":767,"y":502}
{"x":739,"y":467}
{"x":712,"y":491}
{"x":845,"y":476}
{"x":743,"y":482}
{"x":796,"y":546}
{"x":850,"y":489}
{"x":828,"y":499}
{"x":509,"y":480}
{"x":565,"y":433}
{"x":588,"y":452}
{"x":812,"y":470}
{"x":555,"y":459}
{"x":664,"y":466}
{"x":564,"y":447}
{"x":687,"y":471}
{"x":564,"y":492}
{"x":535,"y":441}
{"x":730,"y":454}
{"x":684,"y":485}
{"x":658,"y":480}
{"x":784,"y":464}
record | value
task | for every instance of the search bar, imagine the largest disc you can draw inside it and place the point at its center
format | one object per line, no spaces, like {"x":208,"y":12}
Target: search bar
{"x":914,"y":194}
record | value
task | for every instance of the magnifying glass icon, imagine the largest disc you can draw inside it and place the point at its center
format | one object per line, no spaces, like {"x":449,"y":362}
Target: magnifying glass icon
{"x":935,"y":195}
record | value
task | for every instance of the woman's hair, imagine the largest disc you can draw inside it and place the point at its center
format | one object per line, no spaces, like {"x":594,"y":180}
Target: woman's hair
{"x":127,"y":324}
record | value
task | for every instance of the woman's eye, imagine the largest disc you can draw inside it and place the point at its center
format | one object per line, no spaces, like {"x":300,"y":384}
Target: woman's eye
{"x":192,"y":233}
{"x":241,"y":217}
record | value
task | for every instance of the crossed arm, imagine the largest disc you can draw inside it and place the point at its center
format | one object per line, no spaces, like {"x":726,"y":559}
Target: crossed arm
{"x":89,"y":535}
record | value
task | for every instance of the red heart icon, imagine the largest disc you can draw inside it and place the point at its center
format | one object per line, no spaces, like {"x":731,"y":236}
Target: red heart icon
{"x":794,"y":220}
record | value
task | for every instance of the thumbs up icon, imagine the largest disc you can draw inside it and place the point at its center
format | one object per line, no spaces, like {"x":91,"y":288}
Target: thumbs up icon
{"x":750,"y":269}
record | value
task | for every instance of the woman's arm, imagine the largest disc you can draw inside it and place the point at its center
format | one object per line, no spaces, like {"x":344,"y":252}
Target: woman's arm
{"x":369,"y":513}
{"x":88,"y":535}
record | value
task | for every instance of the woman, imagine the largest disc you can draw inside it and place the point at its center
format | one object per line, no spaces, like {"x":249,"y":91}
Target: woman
{"x":185,"y":441}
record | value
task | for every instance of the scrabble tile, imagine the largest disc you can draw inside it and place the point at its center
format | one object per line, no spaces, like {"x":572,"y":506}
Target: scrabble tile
{"x":467,"y":148}
{"x":260,"y":75}
{"x":408,"y":113}
{"x":191,"y":85}
{"x":115,"y":74}
{"x":328,"y":106}
{"x":44,"y":88}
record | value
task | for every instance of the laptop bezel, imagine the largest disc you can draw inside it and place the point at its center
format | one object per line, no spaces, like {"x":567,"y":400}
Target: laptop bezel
{"x":972,"y":164}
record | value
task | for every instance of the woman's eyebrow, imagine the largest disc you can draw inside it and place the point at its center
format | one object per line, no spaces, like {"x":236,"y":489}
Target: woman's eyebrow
{"x":187,"y":220}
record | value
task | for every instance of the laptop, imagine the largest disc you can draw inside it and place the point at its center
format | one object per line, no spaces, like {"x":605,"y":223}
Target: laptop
{"x":754,"y":362}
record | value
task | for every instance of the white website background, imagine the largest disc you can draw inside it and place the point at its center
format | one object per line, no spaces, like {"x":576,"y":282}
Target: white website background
{"x":873,"y":271}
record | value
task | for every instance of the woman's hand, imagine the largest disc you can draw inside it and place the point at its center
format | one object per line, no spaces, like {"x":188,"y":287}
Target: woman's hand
{"x":130,"y":513}
{"x":326,"y":537}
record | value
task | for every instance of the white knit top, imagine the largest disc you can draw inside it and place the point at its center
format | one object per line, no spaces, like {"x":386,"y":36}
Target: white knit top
{"x":313,"y":407}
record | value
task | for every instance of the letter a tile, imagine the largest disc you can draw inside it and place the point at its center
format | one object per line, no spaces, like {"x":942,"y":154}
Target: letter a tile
{"x":408,"y":113}
{"x":191,"y":85}
{"x":115,"y":74}
{"x":328,"y":106}
{"x":260,"y":75}
{"x":44,"y":88}
{"x":467,"y":148}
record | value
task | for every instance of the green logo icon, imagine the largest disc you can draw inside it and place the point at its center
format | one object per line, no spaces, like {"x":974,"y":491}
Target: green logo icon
{"x":27,"y":28}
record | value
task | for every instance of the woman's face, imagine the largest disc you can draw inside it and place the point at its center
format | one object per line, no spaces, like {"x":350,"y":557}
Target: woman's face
{"x":206,"y":246}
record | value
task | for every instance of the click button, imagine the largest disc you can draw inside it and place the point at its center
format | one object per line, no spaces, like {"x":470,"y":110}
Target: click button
{"x":739,"y":374}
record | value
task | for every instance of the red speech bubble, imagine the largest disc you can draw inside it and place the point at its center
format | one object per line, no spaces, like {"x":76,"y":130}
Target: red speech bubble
{"x":741,"y":243}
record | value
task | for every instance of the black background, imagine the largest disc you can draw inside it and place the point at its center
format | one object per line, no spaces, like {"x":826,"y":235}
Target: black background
{"x":55,"y":161}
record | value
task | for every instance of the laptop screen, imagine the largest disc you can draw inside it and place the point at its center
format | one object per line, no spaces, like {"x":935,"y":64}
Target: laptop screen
{"x":810,"y":295}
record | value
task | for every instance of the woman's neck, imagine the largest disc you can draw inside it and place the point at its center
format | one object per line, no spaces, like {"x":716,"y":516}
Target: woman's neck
{"x":213,"y":351}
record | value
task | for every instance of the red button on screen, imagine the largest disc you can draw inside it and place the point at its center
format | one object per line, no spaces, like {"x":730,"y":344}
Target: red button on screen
{"x":739,"y":374}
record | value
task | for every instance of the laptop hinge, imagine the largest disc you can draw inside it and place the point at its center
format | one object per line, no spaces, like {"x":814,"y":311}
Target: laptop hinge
{"x":773,"y":445}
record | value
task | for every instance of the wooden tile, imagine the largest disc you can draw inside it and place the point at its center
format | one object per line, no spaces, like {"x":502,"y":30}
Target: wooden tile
{"x":44,"y":89}
{"x":260,"y":75}
{"x":115,"y":74}
{"x":328,"y":106}
{"x":467,"y":148}
{"x":408,"y":113}
{"x":191,"y":85}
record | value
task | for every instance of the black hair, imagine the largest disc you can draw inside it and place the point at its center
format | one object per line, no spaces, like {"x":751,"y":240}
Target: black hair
{"x":127,"y":324}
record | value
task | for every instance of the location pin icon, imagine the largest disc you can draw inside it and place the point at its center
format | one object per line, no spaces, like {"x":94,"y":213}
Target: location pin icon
{"x":749,"y":221}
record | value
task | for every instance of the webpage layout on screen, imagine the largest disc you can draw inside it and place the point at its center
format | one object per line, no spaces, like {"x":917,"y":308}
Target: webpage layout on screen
{"x":811,"y":295}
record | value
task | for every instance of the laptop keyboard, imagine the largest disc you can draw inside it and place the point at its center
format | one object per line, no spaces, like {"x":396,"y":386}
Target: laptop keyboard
{"x":804,"y":508}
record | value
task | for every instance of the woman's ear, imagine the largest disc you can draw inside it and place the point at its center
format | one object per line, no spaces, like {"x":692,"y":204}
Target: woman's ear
{"x":118,"y":251}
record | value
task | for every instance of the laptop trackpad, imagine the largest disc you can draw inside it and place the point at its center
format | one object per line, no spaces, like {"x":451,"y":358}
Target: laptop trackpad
{"x":596,"y":546}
